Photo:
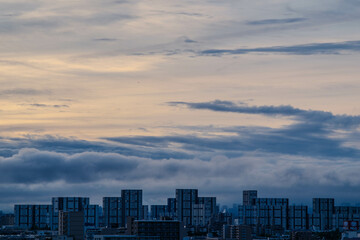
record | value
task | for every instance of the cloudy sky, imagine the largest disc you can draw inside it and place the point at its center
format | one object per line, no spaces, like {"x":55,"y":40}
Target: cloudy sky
{"x":102,"y":95}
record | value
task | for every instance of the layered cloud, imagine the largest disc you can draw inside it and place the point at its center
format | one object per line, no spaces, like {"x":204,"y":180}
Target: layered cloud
{"x":284,"y":159}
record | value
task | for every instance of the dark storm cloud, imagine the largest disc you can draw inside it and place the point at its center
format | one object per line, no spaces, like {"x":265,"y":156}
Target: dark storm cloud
{"x":304,"y":49}
{"x":276,"y":21}
{"x":33,"y":166}
{"x":53,"y":173}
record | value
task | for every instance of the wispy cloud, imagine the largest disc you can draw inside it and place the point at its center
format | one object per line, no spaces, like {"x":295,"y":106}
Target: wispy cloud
{"x":309,"y":116}
{"x":304,"y":49}
{"x":24,"y":91}
{"x":276,"y":21}
{"x":41,"y":105}
{"x":105,"y":39}
{"x":73,"y":145}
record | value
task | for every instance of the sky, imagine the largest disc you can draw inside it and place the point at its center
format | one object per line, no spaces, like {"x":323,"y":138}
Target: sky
{"x":102,"y":95}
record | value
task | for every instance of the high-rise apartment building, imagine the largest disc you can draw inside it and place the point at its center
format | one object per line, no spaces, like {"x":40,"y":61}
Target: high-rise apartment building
{"x":192,"y":209}
{"x":185,"y":201}
{"x":92,"y":215}
{"x":33,"y":216}
{"x":249,"y":197}
{"x":298,"y":217}
{"x":322,"y":216}
{"x":117,"y":209}
{"x":209,"y":206}
{"x":132,"y":203}
{"x":113,"y":212}
{"x":260,"y":212}
{"x":171,"y":206}
{"x":66,"y":204}
{"x":145,"y":212}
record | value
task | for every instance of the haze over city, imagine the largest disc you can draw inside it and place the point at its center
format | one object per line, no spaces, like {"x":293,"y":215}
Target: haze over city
{"x":222,"y":96}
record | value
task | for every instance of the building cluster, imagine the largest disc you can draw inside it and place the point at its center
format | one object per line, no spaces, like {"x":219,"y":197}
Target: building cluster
{"x":270,"y":215}
{"x":185,"y":216}
{"x":125,"y":214}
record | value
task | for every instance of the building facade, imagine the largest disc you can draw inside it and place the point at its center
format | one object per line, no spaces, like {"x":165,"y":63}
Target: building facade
{"x":66,"y":204}
{"x":113,"y":212}
{"x":33,"y":216}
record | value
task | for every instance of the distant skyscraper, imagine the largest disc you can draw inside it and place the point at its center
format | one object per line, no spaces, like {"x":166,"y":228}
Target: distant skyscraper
{"x":185,"y":200}
{"x":158,"y":211}
{"x":209,"y":206}
{"x":113,"y":212}
{"x":322,"y":216}
{"x":132,"y":204}
{"x":145,"y":212}
{"x":117,"y":209}
{"x":171,"y":207}
{"x":249,"y":197}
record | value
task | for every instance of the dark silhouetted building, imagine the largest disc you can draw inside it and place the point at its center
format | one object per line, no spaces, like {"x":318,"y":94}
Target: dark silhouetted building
{"x":113,"y":213}
{"x":185,"y":201}
{"x":238,"y":232}
{"x":171,"y":207}
{"x":249,"y":197}
{"x":132,"y":203}
{"x":164,"y":229}
{"x":158,"y":211}
{"x":71,"y":224}
{"x":7,"y":219}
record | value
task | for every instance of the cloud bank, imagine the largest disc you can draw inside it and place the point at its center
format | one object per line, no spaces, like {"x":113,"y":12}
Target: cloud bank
{"x":308,"y":153}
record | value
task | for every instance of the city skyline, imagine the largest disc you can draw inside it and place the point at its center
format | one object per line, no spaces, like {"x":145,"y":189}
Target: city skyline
{"x":221,"y":96}
{"x":164,"y":201}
